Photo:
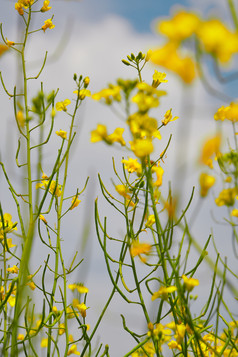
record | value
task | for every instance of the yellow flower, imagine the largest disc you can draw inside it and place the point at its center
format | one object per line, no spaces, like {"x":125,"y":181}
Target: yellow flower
{"x":83,"y":93}
{"x":20,"y":337}
{"x":42,"y":218}
{"x":109,"y":94}
{"x":20,"y":118}
{"x":142,"y":147}
{"x":159,"y":173}
{"x":73,"y":350}
{"x":82,"y":309}
{"x":10,"y":43}
{"x":11,"y":300}
{"x":158,"y":78}
{"x":230,"y":113}
{"x":61,"y":329}
{"x":63,"y":105}
{"x":62,"y":134}
{"x":19,"y":8}
{"x":189,"y":283}
{"x":45,"y":6}
{"x":99,"y":134}
{"x":132,"y":165}
{"x":86,"y":81}
{"x":181,"y":26}
{"x":169,"y":57}
{"x":227,"y":197}
{"x":7,"y":226}
{"x":75,"y":202}
{"x":210,"y":149}
{"x":14,"y":269}
{"x":168,"y":117}
{"x":234,"y":212}
{"x":150,"y":221}
{"x":31,"y":284}
{"x":79,"y":287}
{"x":163,"y":292}
{"x":217,"y":39}
{"x":116,"y":136}
{"x":206,"y":182}
{"x":137,"y":248}
{"x":48,"y":25}
{"x":44,"y":342}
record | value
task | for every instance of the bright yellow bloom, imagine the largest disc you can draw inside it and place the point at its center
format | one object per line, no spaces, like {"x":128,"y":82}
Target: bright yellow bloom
{"x":20,"y":337}
{"x":147,"y":97}
{"x":174,"y":344}
{"x":61,"y":329}
{"x":210,"y":149}
{"x":169,"y":57}
{"x":75,"y":202}
{"x":163,"y":292}
{"x":190,"y":283}
{"x":31,"y":284}
{"x":180,"y":333}
{"x":159,"y":173}
{"x":123,"y":191}
{"x":9,"y":243}
{"x":42,"y":218}
{"x":138,"y":248}
{"x":19,"y":8}
{"x":62,"y":134}
{"x":46,"y":6}
{"x":150,"y":221}
{"x":234,"y":212}
{"x":113,"y":92}
{"x":44,"y":342}
{"x":217,"y":39}
{"x":142,"y":147}
{"x":168,"y":117}
{"x":132,"y":165}
{"x":230,"y":113}
{"x":48,"y":25}
{"x":142,"y":125}
{"x":99,"y":134}
{"x":227,"y":197}
{"x":7,"y":226}
{"x":86,"y":81}
{"x":158,"y":78}
{"x":181,"y":26}
{"x":82,"y":309}
{"x":79,"y":287}
{"x":14,"y":269}
{"x":83,"y":93}
{"x":20,"y":118}
{"x":11,"y":300}
{"x":116,"y":136}
{"x":53,"y":189}
{"x":10,"y":43}
{"x":63,"y":105}
{"x":73,"y":350}
{"x":206,"y":182}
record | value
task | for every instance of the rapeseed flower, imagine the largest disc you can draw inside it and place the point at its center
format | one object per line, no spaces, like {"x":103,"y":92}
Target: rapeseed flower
{"x":206,"y":182}
{"x":63,"y":105}
{"x":79,"y":287}
{"x":163,"y":292}
{"x":210,"y":149}
{"x":48,"y":25}
{"x":132,"y":165}
{"x":230,"y":113}
{"x":75,"y":202}
{"x":14,"y":269}
{"x":189,"y":283}
{"x":217,"y":39}
{"x":227,"y":197}
{"x":62,"y":134}
{"x":180,"y":27}
{"x":158,"y":78}
{"x":168,"y":117}
{"x":73,"y":350}
{"x":142,"y":147}
{"x":46,"y":6}
{"x":137,"y":248}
